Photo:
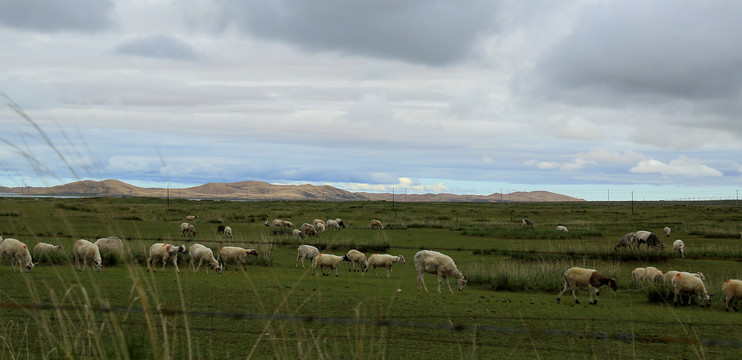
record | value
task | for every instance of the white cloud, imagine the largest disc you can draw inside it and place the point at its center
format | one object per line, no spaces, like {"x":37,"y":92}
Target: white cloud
{"x":543,"y":165}
{"x":579,"y":129}
{"x":682,"y":166}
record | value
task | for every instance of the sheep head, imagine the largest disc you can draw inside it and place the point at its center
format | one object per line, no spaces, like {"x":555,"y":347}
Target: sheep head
{"x":461,"y":282}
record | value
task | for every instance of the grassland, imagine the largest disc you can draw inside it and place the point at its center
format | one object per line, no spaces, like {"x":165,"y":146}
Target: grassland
{"x":276,"y":310}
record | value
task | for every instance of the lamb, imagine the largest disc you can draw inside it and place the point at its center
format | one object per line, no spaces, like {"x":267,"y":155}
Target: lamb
{"x":228,"y":232}
{"x":562,"y":228}
{"x":376,"y":224}
{"x":235,"y":253}
{"x":526,"y":223}
{"x":356,"y":257}
{"x":590,"y":278}
{"x":383,"y":260}
{"x":17,"y":251}
{"x":87,"y":251}
{"x":433,"y":262}
{"x":333,"y":224}
{"x":297,"y":233}
{"x":685,"y":283}
{"x":111,"y":244}
{"x":732,"y":292}
{"x":629,"y":239}
{"x":186,"y":228}
{"x":44,"y":248}
{"x":305,"y":252}
{"x":201,"y":253}
{"x":327,"y":260}
{"x":309,"y":230}
{"x":164,"y":252}
{"x":667,"y":231}
{"x":191,"y":218}
{"x":678,"y":246}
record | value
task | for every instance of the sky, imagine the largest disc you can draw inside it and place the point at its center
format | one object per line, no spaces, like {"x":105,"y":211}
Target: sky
{"x":600,"y":100}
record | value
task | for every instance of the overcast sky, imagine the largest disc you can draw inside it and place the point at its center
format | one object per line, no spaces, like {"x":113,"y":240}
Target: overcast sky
{"x":585,"y":98}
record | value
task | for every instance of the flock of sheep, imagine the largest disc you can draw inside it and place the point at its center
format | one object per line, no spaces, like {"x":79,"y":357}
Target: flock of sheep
{"x":426,"y":261}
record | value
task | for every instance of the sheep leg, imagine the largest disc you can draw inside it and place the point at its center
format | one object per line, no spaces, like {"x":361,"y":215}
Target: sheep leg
{"x":297,"y":261}
{"x":388,"y":272}
{"x":375,"y":273}
{"x":322,"y":269}
{"x":336,"y":271}
{"x":591,"y":289}
{"x":559,"y":297}
{"x":200,"y":261}
{"x":449,"y":285}
{"x":574,"y":295}
{"x":420,"y":280}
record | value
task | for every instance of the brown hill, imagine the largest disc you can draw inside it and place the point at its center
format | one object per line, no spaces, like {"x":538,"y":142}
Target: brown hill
{"x":258,"y":190}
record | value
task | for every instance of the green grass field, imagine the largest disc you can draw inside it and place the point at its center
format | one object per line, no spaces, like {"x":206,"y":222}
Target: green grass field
{"x":276,"y":310}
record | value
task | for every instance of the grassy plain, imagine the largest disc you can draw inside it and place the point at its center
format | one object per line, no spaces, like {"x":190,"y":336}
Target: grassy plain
{"x":276,"y":310}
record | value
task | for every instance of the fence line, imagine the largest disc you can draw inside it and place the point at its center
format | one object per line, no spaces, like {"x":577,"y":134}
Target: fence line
{"x":383,"y":322}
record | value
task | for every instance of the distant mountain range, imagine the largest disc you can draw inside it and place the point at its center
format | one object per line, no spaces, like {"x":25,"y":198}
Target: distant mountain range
{"x":258,"y":190}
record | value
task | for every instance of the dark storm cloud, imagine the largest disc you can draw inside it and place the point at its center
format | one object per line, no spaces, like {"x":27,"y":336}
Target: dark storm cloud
{"x":427,"y":32}
{"x":158,"y":46}
{"x":642,"y":50}
{"x":53,"y":15}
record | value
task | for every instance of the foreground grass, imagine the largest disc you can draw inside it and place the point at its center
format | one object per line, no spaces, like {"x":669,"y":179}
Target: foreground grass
{"x":276,"y":310}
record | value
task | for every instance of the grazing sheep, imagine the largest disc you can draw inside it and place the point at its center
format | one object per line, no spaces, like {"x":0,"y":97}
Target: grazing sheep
{"x":228,"y":232}
{"x":667,"y":231}
{"x":309,"y":230}
{"x":562,"y":228}
{"x":628,"y":240}
{"x":340,"y":223}
{"x":686,"y":283}
{"x":638,"y":274}
{"x":110,"y":244}
{"x":297,"y":233}
{"x":164,"y":252}
{"x":17,"y":251}
{"x":332,"y":224}
{"x":320,"y":227}
{"x":653,"y":274}
{"x":44,"y":248}
{"x":191,"y":218}
{"x":383,"y":260}
{"x":732,"y":292}
{"x":220,"y":230}
{"x":186,"y":228}
{"x":305,"y":252}
{"x":668,"y":276}
{"x":356,"y":257}
{"x":654,"y":242}
{"x":376,"y":224}
{"x":526,"y":223}
{"x":327,"y":260}
{"x":237,"y":254}
{"x":279,"y":225}
{"x":318,"y":221}
{"x":678,"y":246}
{"x":433,"y":262}
{"x":87,"y":251}
{"x":642,"y":235}
{"x":201,"y":253}
{"x":590,"y":278}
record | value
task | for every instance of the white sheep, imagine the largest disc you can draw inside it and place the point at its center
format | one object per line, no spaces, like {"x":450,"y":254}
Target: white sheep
{"x":110,"y":244}
{"x":201,"y":253}
{"x":667,"y":231}
{"x":376,"y":224}
{"x":17,"y":251}
{"x":320,"y":227}
{"x":87,"y":251}
{"x":678,"y":246}
{"x":309,"y":230}
{"x":279,"y":225}
{"x":642,"y":235}
{"x":327,"y":260}
{"x":44,"y":248}
{"x":383,"y":260}
{"x":628,"y":240}
{"x":651,"y":273}
{"x":305,"y":252}
{"x":297,"y":233}
{"x":732,"y":292}
{"x":318,"y":221}
{"x":356,"y":257}
{"x":433,"y":262}
{"x":236,"y":254}
{"x":590,"y":278}
{"x":562,"y":228}
{"x":340,"y":223}
{"x":191,"y":218}
{"x":686,"y":283}
{"x":668,"y":276}
{"x":164,"y":252}
{"x":526,"y":223}
{"x":186,"y":228}
{"x":332,"y":224}
{"x":228,"y":232}
{"x":638,"y":274}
